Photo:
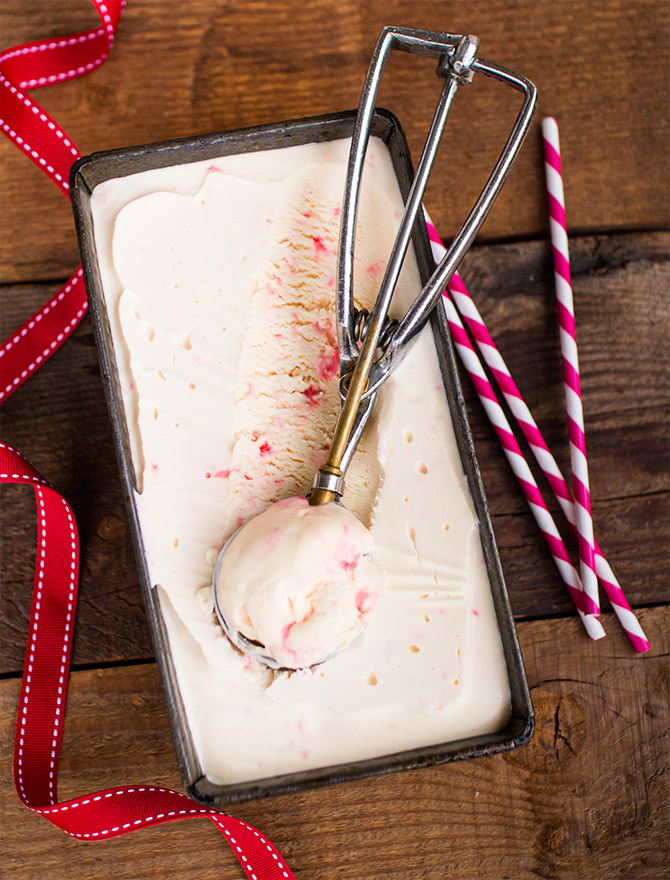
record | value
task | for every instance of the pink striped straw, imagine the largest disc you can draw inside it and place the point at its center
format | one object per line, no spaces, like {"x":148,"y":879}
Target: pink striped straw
{"x":569,"y":358}
{"x":463,"y":302}
{"x":543,"y":456}
{"x":517,"y":462}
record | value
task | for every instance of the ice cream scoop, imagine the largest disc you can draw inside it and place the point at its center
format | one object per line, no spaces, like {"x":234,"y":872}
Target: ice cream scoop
{"x":298,"y":583}
{"x":370,"y":348}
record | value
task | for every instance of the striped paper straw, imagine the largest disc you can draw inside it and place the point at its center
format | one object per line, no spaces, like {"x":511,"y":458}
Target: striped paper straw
{"x":494,"y":360}
{"x":487,"y":347}
{"x":569,"y":358}
{"x":516,"y":460}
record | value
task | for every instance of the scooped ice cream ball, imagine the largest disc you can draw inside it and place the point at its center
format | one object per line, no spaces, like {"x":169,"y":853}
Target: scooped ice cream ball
{"x":298,"y":582}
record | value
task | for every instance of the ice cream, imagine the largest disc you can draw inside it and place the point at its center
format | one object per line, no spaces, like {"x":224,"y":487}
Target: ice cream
{"x":298,"y":583}
{"x":219,"y":285}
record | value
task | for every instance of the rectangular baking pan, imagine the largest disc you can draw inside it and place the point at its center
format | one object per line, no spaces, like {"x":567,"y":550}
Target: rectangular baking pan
{"x":92,"y":170}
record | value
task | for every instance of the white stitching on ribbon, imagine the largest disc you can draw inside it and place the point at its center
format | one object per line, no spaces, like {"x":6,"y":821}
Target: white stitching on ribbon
{"x":54,"y":44}
{"x":43,"y":118}
{"x":69,"y":327}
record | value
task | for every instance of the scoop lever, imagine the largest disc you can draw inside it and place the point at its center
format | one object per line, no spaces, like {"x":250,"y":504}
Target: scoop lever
{"x":363,"y":370}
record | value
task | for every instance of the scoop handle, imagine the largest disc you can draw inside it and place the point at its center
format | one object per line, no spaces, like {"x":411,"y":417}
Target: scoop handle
{"x":361,"y":373}
{"x":456,"y":55}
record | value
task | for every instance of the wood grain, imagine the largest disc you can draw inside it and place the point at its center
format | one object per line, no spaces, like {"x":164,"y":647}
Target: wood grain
{"x":588,"y":795}
{"x":212,"y":66}
{"x":59,"y":421}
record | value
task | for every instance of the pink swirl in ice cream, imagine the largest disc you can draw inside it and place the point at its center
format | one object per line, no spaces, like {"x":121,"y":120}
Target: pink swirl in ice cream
{"x":300,"y":580}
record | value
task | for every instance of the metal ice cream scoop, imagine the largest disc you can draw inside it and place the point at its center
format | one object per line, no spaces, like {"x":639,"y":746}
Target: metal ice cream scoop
{"x":363,"y":371}
{"x":384,"y":343}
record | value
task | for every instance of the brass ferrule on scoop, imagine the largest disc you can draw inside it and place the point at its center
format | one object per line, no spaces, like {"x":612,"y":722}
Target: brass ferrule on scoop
{"x":331,"y":474}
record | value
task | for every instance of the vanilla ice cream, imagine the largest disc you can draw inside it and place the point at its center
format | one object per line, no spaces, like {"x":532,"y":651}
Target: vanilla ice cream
{"x":298,"y":583}
{"x":219,"y":281}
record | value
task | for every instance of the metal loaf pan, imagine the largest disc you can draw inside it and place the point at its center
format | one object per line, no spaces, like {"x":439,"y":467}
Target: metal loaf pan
{"x":92,"y":170}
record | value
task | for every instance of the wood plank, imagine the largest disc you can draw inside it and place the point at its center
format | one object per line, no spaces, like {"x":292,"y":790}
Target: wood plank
{"x":59,"y":421}
{"x":588,"y":795}
{"x":210,"y":67}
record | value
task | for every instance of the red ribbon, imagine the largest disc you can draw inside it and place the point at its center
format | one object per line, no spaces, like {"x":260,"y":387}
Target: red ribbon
{"x":123,"y":809}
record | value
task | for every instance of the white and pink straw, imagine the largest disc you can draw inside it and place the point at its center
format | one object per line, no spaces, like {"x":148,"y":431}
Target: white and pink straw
{"x":569,"y":357}
{"x":524,"y":418}
{"x":458,"y":297}
{"x":515,"y":457}
{"x":522,"y":472}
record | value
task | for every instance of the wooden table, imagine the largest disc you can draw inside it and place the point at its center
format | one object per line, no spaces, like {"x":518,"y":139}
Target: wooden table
{"x":588,"y":796}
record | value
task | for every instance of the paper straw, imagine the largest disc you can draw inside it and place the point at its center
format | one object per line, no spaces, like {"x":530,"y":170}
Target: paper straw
{"x":543,"y":456}
{"x":517,"y":462}
{"x":531,"y":432}
{"x":569,"y":357}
